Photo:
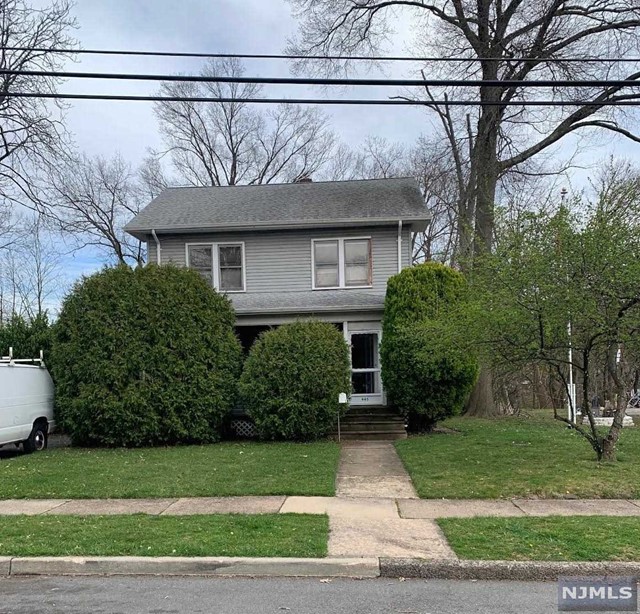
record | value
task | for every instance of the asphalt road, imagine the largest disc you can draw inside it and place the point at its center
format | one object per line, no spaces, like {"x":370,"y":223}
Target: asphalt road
{"x":153,"y":595}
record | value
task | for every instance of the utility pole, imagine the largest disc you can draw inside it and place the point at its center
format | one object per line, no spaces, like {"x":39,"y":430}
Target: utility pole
{"x":571,"y":400}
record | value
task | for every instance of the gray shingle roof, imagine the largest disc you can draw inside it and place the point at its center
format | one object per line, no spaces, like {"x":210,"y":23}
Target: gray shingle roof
{"x":282,"y":205}
{"x":305,"y":302}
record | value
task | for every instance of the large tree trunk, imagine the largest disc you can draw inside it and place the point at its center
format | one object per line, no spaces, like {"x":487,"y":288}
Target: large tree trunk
{"x":481,"y":403}
{"x":464,"y":232}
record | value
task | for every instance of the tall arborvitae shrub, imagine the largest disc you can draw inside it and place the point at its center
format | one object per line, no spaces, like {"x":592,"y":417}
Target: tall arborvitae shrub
{"x":427,"y":372}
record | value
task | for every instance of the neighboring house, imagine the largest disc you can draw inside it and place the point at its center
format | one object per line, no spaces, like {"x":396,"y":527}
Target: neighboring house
{"x":288,"y":251}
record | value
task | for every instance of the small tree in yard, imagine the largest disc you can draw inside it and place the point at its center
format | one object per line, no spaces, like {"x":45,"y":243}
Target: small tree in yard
{"x":427,"y":369}
{"x":292,"y":379}
{"x":576,"y":266}
{"x":145,"y":357}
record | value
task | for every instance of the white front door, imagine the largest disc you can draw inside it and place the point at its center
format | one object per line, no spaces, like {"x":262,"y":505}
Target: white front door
{"x":366,"y":382}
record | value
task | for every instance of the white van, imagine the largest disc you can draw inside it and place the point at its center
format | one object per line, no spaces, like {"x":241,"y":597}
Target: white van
{"x":26,"y":403}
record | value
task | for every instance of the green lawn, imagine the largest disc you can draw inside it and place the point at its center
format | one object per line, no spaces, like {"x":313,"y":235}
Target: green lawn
{"x":552,"y":538}
{"x":518,"y":457}
{"x":188,"y":471}
{"x":291,"y":535}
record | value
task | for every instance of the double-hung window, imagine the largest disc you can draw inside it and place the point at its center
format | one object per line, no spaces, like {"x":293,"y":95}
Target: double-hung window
{"x":221,"y":264}
{"x":327,"y":264}
{"x":341,"y":263}
{"x":230,"y":267}
{"x":357,"y":262}
{"x":200,"y":258}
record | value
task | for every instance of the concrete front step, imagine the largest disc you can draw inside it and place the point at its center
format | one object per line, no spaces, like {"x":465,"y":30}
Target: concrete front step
{"x":372,"y":427}
{"x":371,"y":423}
{"x":372,"y":435}
{"x":357,"y":410}
{"x":373,"y":419}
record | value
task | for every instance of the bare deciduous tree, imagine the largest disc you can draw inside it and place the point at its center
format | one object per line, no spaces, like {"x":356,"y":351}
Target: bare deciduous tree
{"x":7,"y":224}
{"x":30,"y":271}
{"x":30,"y":128}
{"x":152,"y":178}
{"x":430,"y":164}
{"x":231,"y":143}
{"x":504,"y":41}
{"x":91,"y":201}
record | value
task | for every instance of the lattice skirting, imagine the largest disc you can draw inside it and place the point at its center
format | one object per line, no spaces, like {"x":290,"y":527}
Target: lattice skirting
{"x":243,"y":428}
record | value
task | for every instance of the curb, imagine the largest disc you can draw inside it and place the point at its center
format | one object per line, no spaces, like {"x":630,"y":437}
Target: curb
{"x":453,"y":569}
{"x":338,"y":567}
{"x":190,"y":566}
{"x":5,"y":566}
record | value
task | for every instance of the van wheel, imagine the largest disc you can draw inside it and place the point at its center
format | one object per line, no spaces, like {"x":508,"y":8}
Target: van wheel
{"x":37,"y":440}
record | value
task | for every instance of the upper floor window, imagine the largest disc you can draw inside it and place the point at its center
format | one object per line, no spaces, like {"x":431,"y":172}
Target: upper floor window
{"x":221,"y":264}
{"x":230,"y":266}
{"x":200,"y":258}
{"x":342,"y":263}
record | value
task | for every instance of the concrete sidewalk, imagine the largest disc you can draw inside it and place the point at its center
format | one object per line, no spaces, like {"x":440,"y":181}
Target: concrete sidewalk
{"x":359,"y":526}
{"x":366,"y":507}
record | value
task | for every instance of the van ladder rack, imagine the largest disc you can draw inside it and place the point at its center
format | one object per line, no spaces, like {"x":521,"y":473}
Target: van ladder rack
{"x":10,"y":360}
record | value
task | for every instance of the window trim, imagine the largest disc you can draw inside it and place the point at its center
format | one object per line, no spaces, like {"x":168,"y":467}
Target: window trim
{"x":215,"y":261}
{"x":341,"y":263}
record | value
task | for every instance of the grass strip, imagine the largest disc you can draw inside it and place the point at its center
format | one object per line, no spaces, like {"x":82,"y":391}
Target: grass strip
{"x":264,"y":535}
{"x":549,"y":538}
{"x":221,"y":470}
{"x":527,"y":456}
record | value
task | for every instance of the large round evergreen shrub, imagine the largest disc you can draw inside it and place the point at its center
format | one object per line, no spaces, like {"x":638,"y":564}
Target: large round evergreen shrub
{"x":427,"y":369}
{"x":145,"y":356}
{"x":292,"y":379}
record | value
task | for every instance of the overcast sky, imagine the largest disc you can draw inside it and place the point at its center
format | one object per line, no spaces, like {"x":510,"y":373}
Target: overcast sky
{"x":258,"y":26}
{"x":251,"y":26}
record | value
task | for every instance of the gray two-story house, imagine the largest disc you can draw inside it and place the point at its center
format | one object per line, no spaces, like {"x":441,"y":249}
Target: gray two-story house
{"x":287,"y":251}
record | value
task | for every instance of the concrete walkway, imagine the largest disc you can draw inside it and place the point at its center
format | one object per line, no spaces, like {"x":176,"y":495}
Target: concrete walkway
{"x":364,"y":518}
{"x":372,"y":469}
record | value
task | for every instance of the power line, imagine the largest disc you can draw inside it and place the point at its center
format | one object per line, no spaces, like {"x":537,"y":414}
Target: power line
{"x":280,"y":56}
{"x":328,"y":101}
{"x":328,"y":81}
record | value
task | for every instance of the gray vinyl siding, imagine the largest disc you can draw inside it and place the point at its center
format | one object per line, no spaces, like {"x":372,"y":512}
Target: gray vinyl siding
{"x":280,"y":261}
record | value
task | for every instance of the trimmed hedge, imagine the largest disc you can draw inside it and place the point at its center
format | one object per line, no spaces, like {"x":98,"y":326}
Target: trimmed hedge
{"x":292,"y":379}
{"x":427,"y":372}
{"x":145,"y":357}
